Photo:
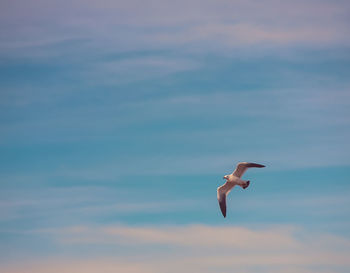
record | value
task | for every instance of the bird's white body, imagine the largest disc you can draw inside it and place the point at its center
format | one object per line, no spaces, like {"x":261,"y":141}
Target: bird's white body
{"x":232,"y":180}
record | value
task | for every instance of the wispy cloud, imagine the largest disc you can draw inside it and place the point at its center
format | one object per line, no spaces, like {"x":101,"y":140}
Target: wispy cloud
{"x":79,"y":266}
{"x":196,"y":248}
{"x":87,"y":203}
{"x":120,"y":26}
{"x":188,"y":236}
{"x":237,"y":35}
{"x":136,"y":69}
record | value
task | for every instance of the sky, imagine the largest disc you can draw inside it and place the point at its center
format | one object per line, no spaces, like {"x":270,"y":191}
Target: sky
{"x":118,"y":120}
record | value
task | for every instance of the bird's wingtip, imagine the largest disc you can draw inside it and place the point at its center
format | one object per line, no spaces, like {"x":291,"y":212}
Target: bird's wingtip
{"x":259,"y":165}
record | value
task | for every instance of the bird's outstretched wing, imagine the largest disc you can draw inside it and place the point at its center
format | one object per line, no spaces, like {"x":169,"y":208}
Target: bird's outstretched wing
{"x":222,"y":192}
{"x":243,"y":166}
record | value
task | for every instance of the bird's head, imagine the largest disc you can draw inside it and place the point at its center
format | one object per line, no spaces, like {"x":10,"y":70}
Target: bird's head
{"x":225,"y":177}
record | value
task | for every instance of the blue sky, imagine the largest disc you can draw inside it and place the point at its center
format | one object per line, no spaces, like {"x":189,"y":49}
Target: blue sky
{"x":119,"y":119}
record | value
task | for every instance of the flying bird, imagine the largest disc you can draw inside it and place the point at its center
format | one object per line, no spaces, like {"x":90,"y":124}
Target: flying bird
{"x":232,"y":180}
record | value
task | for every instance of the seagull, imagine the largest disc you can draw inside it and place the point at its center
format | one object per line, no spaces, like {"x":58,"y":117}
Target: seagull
{"x":232,"y":180}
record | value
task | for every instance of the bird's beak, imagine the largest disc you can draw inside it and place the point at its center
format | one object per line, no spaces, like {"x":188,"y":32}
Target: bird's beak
{"x":224,"y":177}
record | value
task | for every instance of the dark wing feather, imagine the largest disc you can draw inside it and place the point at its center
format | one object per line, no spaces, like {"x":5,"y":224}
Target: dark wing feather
{"x":222,"y":203}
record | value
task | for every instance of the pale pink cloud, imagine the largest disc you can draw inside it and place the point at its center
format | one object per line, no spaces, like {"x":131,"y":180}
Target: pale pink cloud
{"x":120,"y":25}
{"x":77,"y":266}
{"x":196,"y":248}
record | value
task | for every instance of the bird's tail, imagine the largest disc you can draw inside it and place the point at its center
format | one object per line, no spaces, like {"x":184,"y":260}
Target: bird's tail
{"x":246,"y":184}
